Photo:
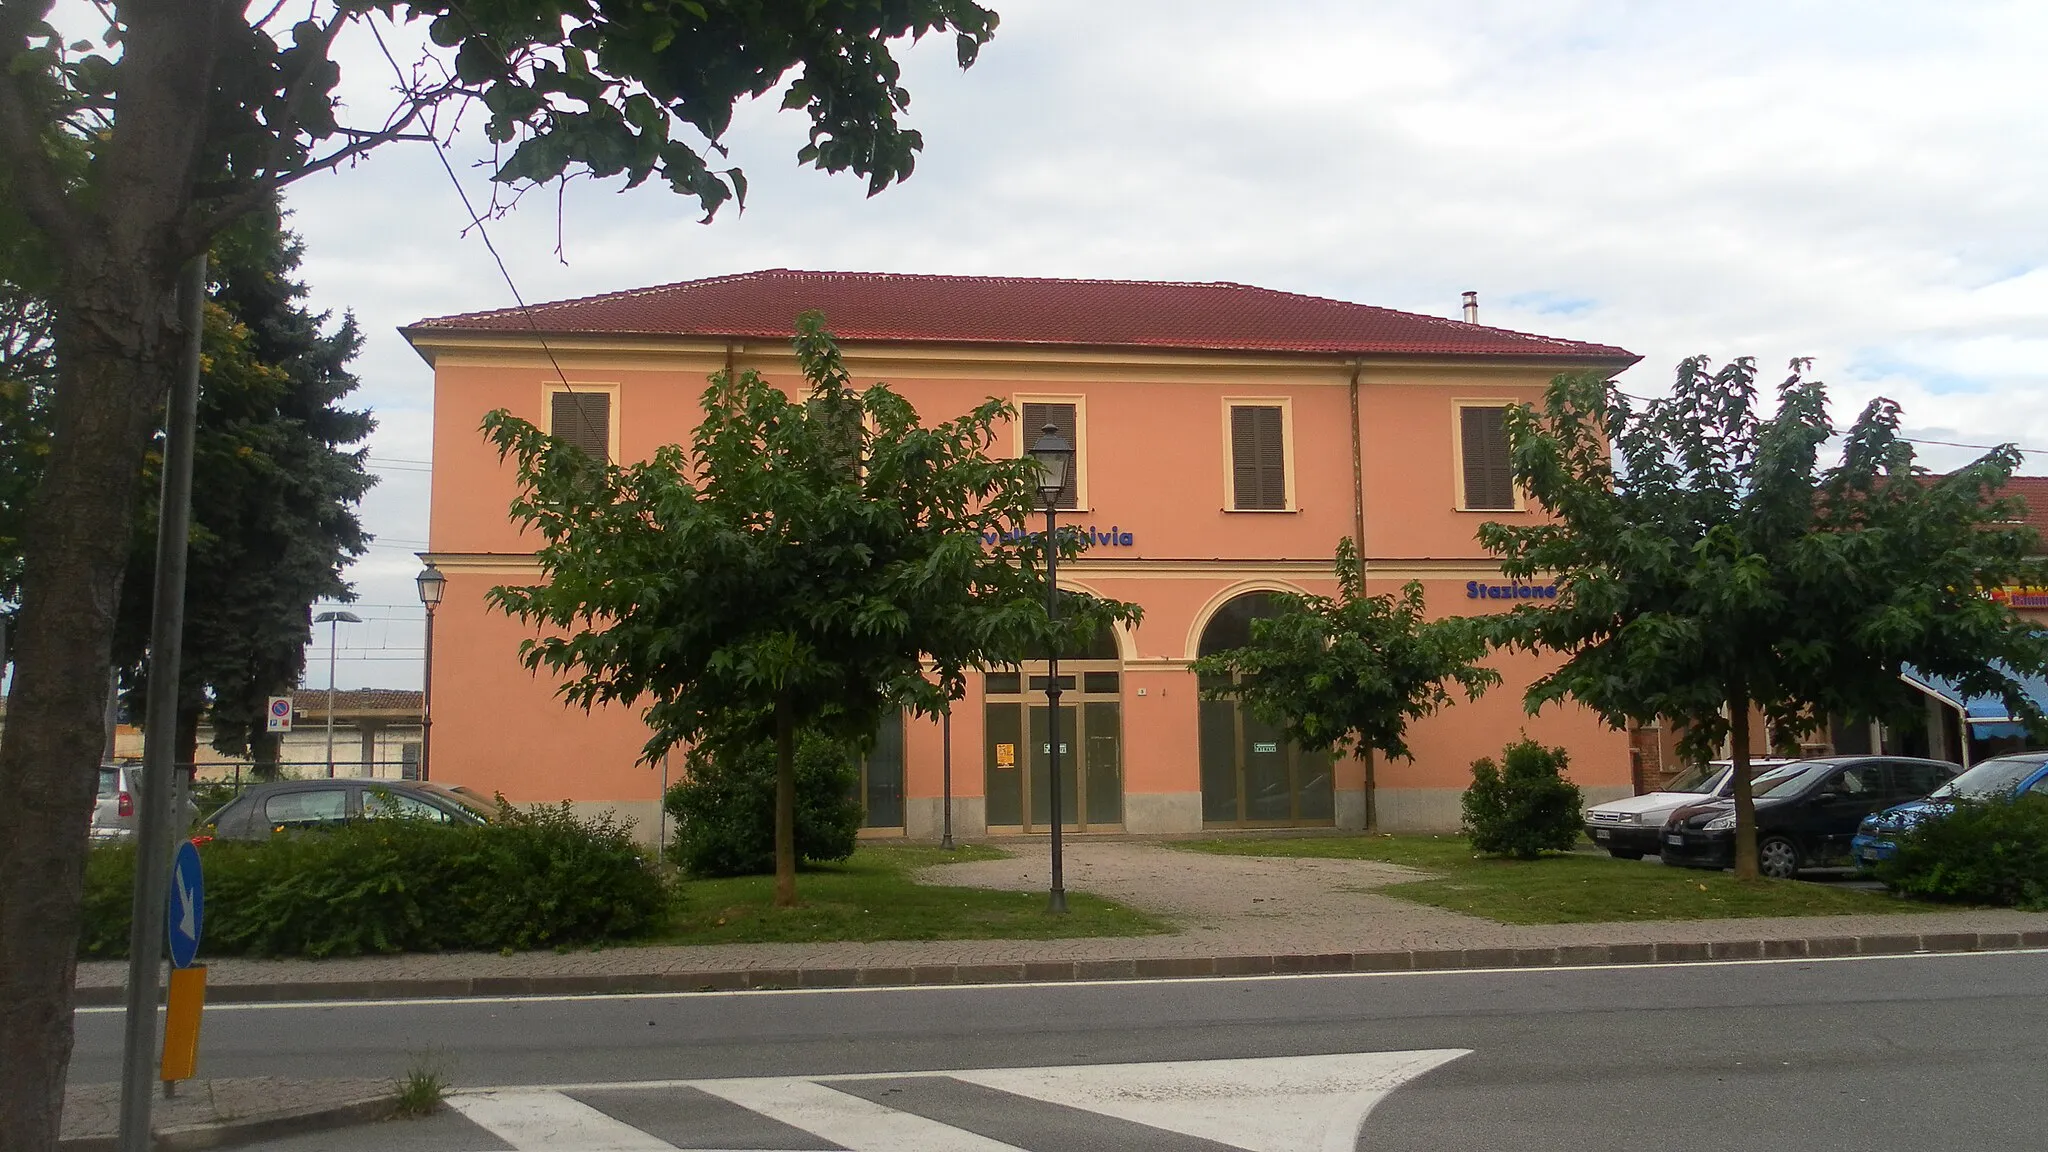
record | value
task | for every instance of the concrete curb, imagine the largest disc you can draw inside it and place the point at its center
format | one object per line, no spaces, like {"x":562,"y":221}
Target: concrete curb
{"x":244,"y":1130}
{"x":1053,"y":971}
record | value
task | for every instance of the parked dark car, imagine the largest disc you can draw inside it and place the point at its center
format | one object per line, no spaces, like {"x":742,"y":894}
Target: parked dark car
{"x":1806,"y":818}
{"x":2024,"y":773}
{"x":264,"y":810}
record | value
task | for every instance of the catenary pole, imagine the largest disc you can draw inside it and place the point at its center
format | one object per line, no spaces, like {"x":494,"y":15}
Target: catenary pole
{"x":153,"y":835}
{"x":946,"y":777}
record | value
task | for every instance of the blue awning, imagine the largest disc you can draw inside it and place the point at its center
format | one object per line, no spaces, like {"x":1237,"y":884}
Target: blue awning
{"x":1987,"y":716}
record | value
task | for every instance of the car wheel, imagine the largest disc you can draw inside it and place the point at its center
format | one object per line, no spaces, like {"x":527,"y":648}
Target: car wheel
{"x":1626,"y":853}
{"x":1778,"y":858}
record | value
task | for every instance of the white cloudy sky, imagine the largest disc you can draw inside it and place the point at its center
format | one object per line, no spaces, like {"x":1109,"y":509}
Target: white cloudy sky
{"x":1865,"y":183}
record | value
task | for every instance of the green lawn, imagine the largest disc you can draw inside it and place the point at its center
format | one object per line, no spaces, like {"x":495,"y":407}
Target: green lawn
{"x":1570,"y":888}
{"x":871,"y":897}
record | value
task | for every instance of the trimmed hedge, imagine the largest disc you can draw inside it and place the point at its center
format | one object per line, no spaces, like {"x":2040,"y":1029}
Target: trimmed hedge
{"x":1979,"y":852}
{"x":538,"y":878}
{"x":725,"y":809}
{"x":1524,"y":806}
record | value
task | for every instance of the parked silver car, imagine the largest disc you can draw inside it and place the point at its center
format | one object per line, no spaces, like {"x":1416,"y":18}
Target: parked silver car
{"x":118,"y":804}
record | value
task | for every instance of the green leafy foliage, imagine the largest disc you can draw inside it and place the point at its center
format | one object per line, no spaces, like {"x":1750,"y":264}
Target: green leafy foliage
{"x":1523,"y":806}
{"x":538,"y":878}
{"x":1980,"y":851}
{"x":1711,"y":561}
{"x":725,"y":809}
{"x":805,"y":564}
{"x":1348,"y":673}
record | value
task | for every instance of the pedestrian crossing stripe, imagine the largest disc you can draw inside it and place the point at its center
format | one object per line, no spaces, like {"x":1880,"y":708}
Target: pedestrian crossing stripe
{"x":1270,"y":1104}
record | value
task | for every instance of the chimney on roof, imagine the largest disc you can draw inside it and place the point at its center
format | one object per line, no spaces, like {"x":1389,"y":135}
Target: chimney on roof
{"x":1471,"y":307}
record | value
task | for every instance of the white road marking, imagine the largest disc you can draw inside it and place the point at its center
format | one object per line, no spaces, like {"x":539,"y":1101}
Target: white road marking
{"x":1540,"y":970}
{"x":848,"y":1121}
{"x":1274,"y":1104}
{"x":527,"y":1119}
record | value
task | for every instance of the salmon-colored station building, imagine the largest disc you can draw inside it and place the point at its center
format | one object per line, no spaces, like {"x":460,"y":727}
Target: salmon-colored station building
{"x":1228,"y":437}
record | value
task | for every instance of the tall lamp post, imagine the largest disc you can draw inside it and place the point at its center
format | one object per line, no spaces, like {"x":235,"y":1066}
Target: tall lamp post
{"x":334,"y":621}
{"x":1055,"y":459}
{"x":432,"y":584}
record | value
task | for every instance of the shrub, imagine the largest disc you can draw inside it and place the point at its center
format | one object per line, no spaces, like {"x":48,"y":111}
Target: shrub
{"x":725,"y":808}
{"x":1979,"y":852}
{"x":1524,"y":806}
{"x":538,"y":878}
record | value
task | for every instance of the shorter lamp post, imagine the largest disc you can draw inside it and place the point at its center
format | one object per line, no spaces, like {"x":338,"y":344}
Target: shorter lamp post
{"x":333,"y":620}
{"x":1055,"y":459}
{"x":432,"y":584}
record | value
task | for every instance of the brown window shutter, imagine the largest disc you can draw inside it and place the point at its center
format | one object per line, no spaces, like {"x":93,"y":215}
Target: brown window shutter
{"x":1489,"y":476}
{"x":585,"y":420}
{"x":1062,"y":417}
{"x":1258,"y":458}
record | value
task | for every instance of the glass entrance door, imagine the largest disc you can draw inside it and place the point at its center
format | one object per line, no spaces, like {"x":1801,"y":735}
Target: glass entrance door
{"x":1017,"y":754}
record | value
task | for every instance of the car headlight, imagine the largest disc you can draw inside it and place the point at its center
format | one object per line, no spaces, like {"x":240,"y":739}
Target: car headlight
{"x":1721,"y":823}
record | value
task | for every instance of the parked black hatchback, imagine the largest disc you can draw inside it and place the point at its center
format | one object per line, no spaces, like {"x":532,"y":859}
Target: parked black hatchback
{"x":263,"y":810}
{"x":1807,"y":818}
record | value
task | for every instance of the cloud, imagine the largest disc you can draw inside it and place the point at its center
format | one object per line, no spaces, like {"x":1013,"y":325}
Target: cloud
{"x":1858,"y":182}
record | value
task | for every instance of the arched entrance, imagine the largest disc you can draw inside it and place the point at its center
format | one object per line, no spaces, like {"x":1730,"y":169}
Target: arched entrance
{"x":1017,"y":750}
{"x":1252,"y":775}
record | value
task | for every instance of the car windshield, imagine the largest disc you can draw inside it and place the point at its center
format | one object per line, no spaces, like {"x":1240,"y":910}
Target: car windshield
{"x":1793,"y":777}
{"x":110,"y":781}
{"x":468,"y":803}
{"x":1991,"y":778}
{"x":1699,"y":778}
{"x":1785,"y":781}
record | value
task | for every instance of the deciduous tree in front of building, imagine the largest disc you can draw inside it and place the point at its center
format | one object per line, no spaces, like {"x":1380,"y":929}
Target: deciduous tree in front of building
{"x":1348,"y":673}
{"x":804,"y":564}
{"x":194,"y":114}
{"x":1711,"y":563}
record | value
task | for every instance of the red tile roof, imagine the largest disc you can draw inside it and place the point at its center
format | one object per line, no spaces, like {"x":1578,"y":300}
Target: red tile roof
{"x":1014,"y":310}
{"x":2034,"y":490}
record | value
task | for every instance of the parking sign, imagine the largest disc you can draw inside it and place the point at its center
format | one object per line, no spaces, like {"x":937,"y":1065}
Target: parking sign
{"x":280,"y":718}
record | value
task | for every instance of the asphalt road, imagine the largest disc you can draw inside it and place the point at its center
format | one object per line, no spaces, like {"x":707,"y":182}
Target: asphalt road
{"x":1907,"y":1053}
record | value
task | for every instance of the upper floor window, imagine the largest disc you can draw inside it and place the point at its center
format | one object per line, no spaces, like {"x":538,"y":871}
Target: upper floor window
{"x":1065,"y":417}
{"x":582,"y":416}
{"x":1258,"y":458}
{"x":1488,"y":477}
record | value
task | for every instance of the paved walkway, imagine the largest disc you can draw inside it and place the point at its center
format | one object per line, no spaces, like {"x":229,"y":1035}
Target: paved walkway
{"x":1223,"y":905}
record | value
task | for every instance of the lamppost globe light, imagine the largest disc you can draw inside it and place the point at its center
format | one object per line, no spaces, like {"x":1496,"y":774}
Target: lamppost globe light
{"x":431,"y":583}
{"x":1055,"y":459}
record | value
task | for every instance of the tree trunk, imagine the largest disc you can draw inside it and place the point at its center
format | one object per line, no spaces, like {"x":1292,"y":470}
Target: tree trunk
{"x":112,"y":345}
{"x":1745,"y":798}
{"x":785,"y":806}
{"x":1372,"y":790}
{"x":263,"y":753}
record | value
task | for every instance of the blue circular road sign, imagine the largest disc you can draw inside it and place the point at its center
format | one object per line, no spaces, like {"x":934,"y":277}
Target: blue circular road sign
{"x":187,"y":905}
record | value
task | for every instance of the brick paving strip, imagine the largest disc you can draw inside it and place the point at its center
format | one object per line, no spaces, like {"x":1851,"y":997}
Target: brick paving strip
{"x":1236,"y":916}
{"x":214,"y":1113}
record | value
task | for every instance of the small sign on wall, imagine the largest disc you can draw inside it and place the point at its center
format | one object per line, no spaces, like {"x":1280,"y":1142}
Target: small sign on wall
{"x":278,"y":717}
{"x":1006,"y":755}
{"x":1265,"y":746}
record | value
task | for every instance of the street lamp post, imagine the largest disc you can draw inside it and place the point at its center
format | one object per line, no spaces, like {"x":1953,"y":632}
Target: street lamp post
{"x":1055,"y":459}
{"x":432,"y":584}
{"x":333,"y":620}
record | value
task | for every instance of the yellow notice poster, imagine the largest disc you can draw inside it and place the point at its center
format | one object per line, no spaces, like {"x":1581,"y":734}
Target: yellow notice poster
{"x":1006,"y":755}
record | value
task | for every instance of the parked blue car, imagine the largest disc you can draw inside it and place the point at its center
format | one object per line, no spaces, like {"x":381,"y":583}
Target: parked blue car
{"x":1878,"y":837}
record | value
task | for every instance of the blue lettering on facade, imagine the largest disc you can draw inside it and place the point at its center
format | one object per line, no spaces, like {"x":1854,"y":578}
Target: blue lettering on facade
{"x":1480,"y":590}
{"x":1110,"y":537}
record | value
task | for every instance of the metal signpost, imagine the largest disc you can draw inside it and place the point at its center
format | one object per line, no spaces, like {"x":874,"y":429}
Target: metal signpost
{"x":154,"y":823}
